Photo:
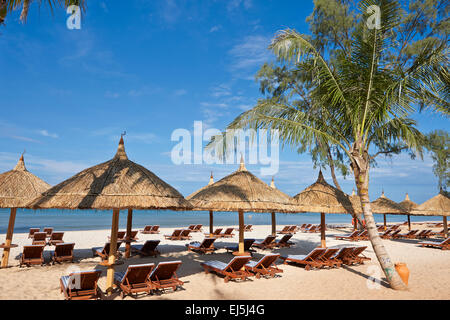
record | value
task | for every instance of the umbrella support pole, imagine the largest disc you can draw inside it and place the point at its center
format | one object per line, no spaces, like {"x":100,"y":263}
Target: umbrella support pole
{"x":112,"y":253}
{"x":9,"y":235}
{"x":409,"y":222}
{"x":444,"y":220}
{"x":384,"y":218}
{"x":128,"y":236}
{"x":274,"y":224}
{"x":323,"y":242}
{"x":211,"y":223}
{"x":241,"y":232}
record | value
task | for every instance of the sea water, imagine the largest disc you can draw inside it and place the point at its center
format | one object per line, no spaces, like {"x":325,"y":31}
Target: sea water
{"x":67,"y":220}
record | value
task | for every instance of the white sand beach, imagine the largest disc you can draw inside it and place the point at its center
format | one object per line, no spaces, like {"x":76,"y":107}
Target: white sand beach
{"x":429,"y":270}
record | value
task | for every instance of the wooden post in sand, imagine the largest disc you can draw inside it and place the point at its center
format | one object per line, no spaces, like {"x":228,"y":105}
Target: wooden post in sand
{"x":323,"y":242}
{"x":445,"y":226}
{"x":274,"y":224}
{"x":384,"y":218}
{"x":241,"y":232}
{"x":112,"y":253}
{"x":409,"y":222}
{"x":9,"y":235}
{"x":128,"y":236}
{"x":211,"y":222}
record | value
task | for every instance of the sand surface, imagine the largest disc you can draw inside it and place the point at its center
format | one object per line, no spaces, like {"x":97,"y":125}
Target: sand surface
{"x":429,"y":270}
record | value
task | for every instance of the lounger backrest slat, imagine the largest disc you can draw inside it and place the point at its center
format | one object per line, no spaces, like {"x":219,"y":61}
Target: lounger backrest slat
{"x":268,"y":239}
{"x":248,"y":243}
{"x":285,"y":238}
{"x":57,"y":236}
{"x":148,"y":228}
{"x":64,"y":249}
{"x":237,"y":263}
{"x":315,"y":254}
{"x":268,"y":260}
{"x":150,"y":245}
{"x":33,"y":251}
{"x":165,"y":270}
{"x":85,"y":280}
{"x":207,"y":243}
{"x":138,"y":273}
{"x":217,"y":231}
{"x":155,"y":228}
{"x":329,"y":253}
{"x":40,"y":236}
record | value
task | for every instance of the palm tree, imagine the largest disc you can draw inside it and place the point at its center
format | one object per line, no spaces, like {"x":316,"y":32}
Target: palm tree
{"x":361,"y":102}
{"x":7,"y":6}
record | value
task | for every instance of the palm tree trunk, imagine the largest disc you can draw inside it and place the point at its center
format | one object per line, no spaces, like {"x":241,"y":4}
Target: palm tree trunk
{"x":362,"y":183}
{"x":332,"y":169}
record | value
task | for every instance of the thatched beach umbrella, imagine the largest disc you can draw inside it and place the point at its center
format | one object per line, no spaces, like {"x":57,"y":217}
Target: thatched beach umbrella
{"x":211,"y":213}
{"x":437,"y":206}
{"x":241,"y":191}
{"x":117,"y":184}
{"x":409,"y":206}
{"x":17,"y":188}
{"x":384,"y":205}
{"x":323,"y":198}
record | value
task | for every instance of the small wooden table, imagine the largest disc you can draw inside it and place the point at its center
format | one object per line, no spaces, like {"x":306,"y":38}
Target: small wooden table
{"x":4,"y":246}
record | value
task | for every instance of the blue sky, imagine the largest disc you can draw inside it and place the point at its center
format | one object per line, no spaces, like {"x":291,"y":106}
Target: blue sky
{"x":150,"y":67}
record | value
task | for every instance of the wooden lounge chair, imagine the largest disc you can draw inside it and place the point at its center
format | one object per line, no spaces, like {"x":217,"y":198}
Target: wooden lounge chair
{"x":55,"y":238}
{"x":191,"y":227}
{"x":357,"y":256}
{"x":266,"y":243}
{"x":284,"y":230}
{"x":247,"y":246}
{"x":444,"y":245}
{"x":32,"y":232}
{"x":351,"y":236}
{"x":63,"y":252}
{"x":32,"y":255}
{"x":40,"y":238}
{"x":147,"y":249}
{"x":248,"y":227}
{"x":424,"y":235}
{"x":135,"y":279}
{"x":185,"y":235}
{"x":408,"y":235}
{"x":328,"y":258}
{"x":207,"y":245}
{"x":265,"y":266}
{"x":104,"y":252}
{"x":48,"y":231}
{"x":155,"y":230}
{"x":343,"y":256}
{"x":305,"y":227}
{"x":165,"y":276}
{"x":120,"y":236}
{"x":313,"y":229}
{"x":363,"y":235}
{"x":232,"y":270}
{"x":283,"y":242}
{"x":176,"y":235}
{"x":228,"y":233}
{"x":133,"y":235}
{"x":216,"y":233}
{"x":386,"y":234}
{"x":147,"y":230}
{"x":81,"y":285}
{"x":198,"y":228}
{"x":311,"y":260}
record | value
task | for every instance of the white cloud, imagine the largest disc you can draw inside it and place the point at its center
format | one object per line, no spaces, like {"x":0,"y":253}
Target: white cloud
{"x":222,"y":90}
{"x":45,"y":133}
{"x":215,"y":28}
{"x":249,"y":54}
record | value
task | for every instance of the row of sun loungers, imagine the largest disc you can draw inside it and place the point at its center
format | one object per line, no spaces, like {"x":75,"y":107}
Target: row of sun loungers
{"x":288,"y":230}
{"x":42,"y":238}
{"x":34,"y":254}
{"x":150,"y":230}
{"x":136,"y":279}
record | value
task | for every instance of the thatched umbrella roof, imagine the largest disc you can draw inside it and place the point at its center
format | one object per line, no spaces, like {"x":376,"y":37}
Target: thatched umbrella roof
{"x":18,"y":186}
{"x":385,"y":205}
{"x":211,"y":181}
{"x":437,"y":206}
{"x":324,"y":198}
{"x":116,"y":184}
{"x":408,"y":204}
{"x":241,"y":190}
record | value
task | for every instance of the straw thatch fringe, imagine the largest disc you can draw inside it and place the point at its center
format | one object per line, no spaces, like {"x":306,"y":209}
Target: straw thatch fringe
{"x":323,"y":198}
{"x":115,"y":184}
{"x":241,"y":190}
{"x":384,"y":205}
{"x":437,"y":206}
{"x":408,"y":204}
{"x":18,"y":186}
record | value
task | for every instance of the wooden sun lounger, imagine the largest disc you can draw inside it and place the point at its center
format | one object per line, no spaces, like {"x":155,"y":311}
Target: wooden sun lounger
{"x":424,"y":235}
{"x":409,"y":235}
{"x":32,"y":255}
{"x":63,"y":252}
{"x":207,"y":245}
{"x":216,"y":233}
{"x":147,"y":249}
{"x":198,"y":228}
{"x":363,"y":235}
{"x":284,"y":230}
{"x":185,"y":234}
{"x":328,"y":258}
{"x":248,"y":227}
{"x":191,"y":227}
{"x":356,"y":256}
{"x":311,"y":260}
{"x":283,"y":242}
{"x":40,"y":238}
{"x":32,"y":232}
{"x":266,"y":243}
{"x":247,"y":246}
{"x":228,"y":233}
{"x":81,"y":285}
{"x":103,"y":253}
{"x":120,"y":236}
{"x":55,"y":238}
{"x":48,"y":231}
{"x":150,"y":230}
{"x":165,"y":276}
{"x":444,"y":245}
{"x":265,"y":267}
{"x":231,"y":270}
{"x":135,"y":279}
{"x":351,"y":236}
{"x":313,"y":229}
{"x":176,"y":235}
{"x":386,"y":234}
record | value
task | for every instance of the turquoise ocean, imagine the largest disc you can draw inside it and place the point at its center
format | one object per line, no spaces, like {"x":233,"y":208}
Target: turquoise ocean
{"x":69,"y":220}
